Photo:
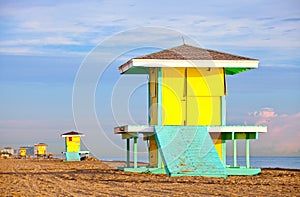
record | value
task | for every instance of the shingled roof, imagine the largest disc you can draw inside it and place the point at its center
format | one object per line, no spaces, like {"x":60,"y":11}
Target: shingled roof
{"x":71,"y":133}
{"x":187,"y":52}
{"x":189,"y":56}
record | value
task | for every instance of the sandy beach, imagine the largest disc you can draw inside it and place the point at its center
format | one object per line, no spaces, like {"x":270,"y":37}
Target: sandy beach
{"x":38,"y":177}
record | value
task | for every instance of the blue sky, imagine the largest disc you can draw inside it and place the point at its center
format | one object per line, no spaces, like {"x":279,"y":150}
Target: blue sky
{"x":44,"y":44}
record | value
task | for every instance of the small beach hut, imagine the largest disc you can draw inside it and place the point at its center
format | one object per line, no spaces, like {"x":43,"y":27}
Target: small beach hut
{"x":187,"y":131}
{"x":9,"y":150}
{"x":40,"y":150}
{"x":72,"y":144}
{"x":23,"y":152}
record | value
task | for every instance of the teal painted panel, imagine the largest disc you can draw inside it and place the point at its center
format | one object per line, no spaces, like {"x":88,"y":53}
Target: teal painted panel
{"x":242,"y":171}
{"x":72,"y":156}
{"x":188,"y":151}
{"x":144,"y":170}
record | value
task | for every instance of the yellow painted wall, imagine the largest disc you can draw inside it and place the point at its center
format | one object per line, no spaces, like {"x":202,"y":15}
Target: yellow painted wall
{"x":73,"y":144}
{"x":41,"y":150}
{"x":205,"y":82}
{"x":204,"y":111}
{"x":195,"y":100}
{"x":22,"y":152}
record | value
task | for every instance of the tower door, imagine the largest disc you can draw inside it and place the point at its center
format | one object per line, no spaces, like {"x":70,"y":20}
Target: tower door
{"x":192,"y":96}
{"x":173,"y":96}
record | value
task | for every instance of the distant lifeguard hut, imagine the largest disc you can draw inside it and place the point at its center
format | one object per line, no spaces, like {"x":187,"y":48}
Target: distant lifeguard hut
{"x":26,"y":151}
{"x":23,"y":152}
{"x":72,"y":144}
{"x":40,"y":150}
{"x":187,"y":129}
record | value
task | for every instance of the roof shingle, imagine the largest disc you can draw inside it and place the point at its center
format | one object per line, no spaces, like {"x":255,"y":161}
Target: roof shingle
{"x":187,"y":52}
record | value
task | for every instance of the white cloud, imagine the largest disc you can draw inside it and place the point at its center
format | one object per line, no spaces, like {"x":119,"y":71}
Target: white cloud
{"x":283,"y":134}
{"x":87,"y":23}
{"x":42,"y":41}
{"x":282,"y":138}
{"x":263,"y":116}
{"x":16,"y":50}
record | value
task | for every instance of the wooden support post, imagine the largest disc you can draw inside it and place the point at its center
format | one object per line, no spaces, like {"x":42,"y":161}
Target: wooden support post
{"x":234,"y":154}
{"x":135,"y":152}
{"x":247,"y":153}
{"x":128,"y":152}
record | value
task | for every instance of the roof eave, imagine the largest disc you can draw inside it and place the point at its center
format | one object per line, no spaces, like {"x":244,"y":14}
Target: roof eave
{"x":72,"y":135}
{"x":148,"y":63}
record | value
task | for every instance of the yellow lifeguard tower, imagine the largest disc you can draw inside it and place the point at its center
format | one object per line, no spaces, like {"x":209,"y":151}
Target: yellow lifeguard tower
{"x":72,"y":144}
{"x":187,"y":129}
{"x":40,"y":150}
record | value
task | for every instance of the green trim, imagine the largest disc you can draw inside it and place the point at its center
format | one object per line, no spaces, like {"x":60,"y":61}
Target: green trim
{"x":233,"y":71}
{"x":239,"y":136}
{"x":137,"y":70}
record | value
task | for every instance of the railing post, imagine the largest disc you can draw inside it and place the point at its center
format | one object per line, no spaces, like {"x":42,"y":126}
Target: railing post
{"x":234,"y":154}
{"x":135,"y":152}
{"x":224,"y":152}
{"x":247,"y":153}
{"x":128,"y":152}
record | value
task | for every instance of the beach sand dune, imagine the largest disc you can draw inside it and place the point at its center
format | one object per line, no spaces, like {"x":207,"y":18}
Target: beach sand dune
{"x":37,"y":177}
